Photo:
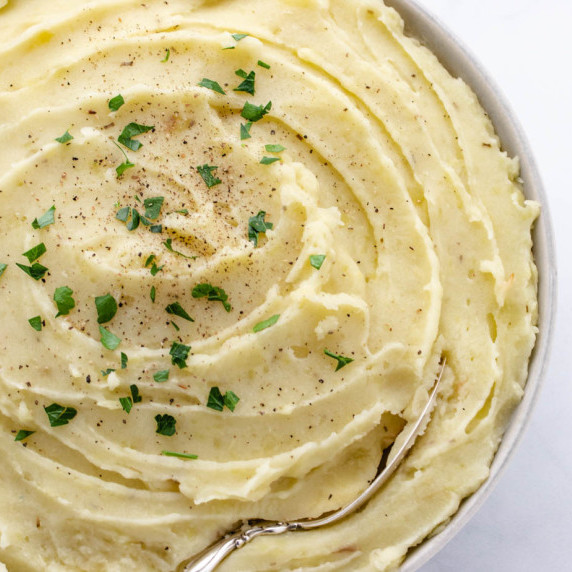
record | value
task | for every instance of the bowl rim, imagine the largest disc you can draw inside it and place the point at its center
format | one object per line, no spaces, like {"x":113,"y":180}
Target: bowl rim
{"x":421,"y":24}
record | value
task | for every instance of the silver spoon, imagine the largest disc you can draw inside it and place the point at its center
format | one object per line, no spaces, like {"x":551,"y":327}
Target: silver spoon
{"x":212,"y":556}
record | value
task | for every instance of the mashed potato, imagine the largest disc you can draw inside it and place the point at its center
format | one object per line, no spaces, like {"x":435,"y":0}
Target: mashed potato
{"x":237,"y":237}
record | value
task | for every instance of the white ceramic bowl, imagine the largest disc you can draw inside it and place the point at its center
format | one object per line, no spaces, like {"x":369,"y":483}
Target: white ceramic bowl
{"x":457,"y":59}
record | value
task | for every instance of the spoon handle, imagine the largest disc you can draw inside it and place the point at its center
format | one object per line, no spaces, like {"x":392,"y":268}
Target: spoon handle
{"x":208,"y":560}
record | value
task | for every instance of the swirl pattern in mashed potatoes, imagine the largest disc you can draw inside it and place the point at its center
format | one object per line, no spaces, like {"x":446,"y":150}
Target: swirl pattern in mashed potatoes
{"x":382,"y":228}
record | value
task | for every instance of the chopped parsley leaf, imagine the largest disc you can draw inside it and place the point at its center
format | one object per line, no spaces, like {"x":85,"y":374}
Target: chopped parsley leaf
{"x":106,"y":372}
{"x":263,"y":64}
{"x":254,"y":113}
{"x":153,"y":293}
{"x":257,"y":225}
{"x":156,"y":269}
{"x":135,"y":393}
{"x":213,"y":294}
{"x":36,"y":271}
{"x":156,"y":228}
{"x":167,"y":55}
{"x":46,"y":219}
{"x":231,"y":399}
{"x":206,"y":172}
{"x":183,"y":211}
{"x":116,"y":102}
{"x":35,"y":253}
{"x":175,"y":326}
{"x":269,"y":160}
{"x":2,"y":268}
{"x":149,"y":260}
{"x":316,"y":260}
{"x":179,"y":354}
{"x":123,"y":167}
{"x":133,"y":224}
{"x":64,"y":300}
{"x":245,"y":130}
{"x":239,"y":37}
{"x":59,"y":415}
{"x":153,"y":207}
{"x":165,"y":425}
{"x":108,"y":340}
{"x":106,"y":307}
{"x":132,"y":130}
{"x":123,"y":214}
{"x":179,"y":455}
{"x":23,"y":434}
{"x":124,"y":360}
{"x":248,"y":84}
{"x":161,"y":376}
{"x":266,"y":323}
{"x":177,"y":310}
{"x":169,"y":246}
{"x":212,"y":85}
{"x":342,"y":361}
{"x":65,"y":138}
{"x":217,"y":400}
{"x":36,"y":323}
{"x":275,"y":148}
{"x":126,"y":404}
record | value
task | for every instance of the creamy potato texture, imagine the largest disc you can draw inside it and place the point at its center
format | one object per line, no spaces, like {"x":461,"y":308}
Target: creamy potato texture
{"x":332,"y":210}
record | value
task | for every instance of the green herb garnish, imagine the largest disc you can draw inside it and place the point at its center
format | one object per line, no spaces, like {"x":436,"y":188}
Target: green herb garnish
{"x":35,"y":253}
{"x":123,"y":167}
{"x":179,"y":455}
{"x":165,"y":425}
{"x":167,"y":55}
{"x":245,"y":130}
{"x":116,"y":102}
{"x":263,"y":64}
{"x":130,"y":131}
{"x":213,"y":294}
{"x":2,"y":268}
{"x":64,"y":300}
{"x":177,"y":310}
{"x":161,"y":376}
{"x":169,"y":246}
{"x":108,"y":340}
{"x":212,"y":85}
{"x":59,"y":415}
{"x":179,"y":354}
{"x":217,"y":400}
{"x":255,"y":113}
{"x":135,"y":393}
{"x":152,"y":293}
{"x":206,"y":172}
{"x":124,"y":360}
{"x":257,"y":225}
{"x":106,"y":307}
{"x":126,"y":404}
{"x":36,"y":271}
{"x":153,"y":207}
{"x":106,"y":372}
{"x":266,"y":323}
{"x":46,"y":219}
{"x":239,"y":37}
{"x":275,"y":148}
{"x":342,"y":361}
{"x":269,"y":160}
{"x":36,"y":323}
{"x":65,"y":138}
{"x":248,"y":84}
{"x":23,"y":434}
{"x":316,"y":260}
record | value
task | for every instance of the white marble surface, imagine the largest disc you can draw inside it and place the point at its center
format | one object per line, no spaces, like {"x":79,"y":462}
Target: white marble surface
{"x":526,"y":523}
